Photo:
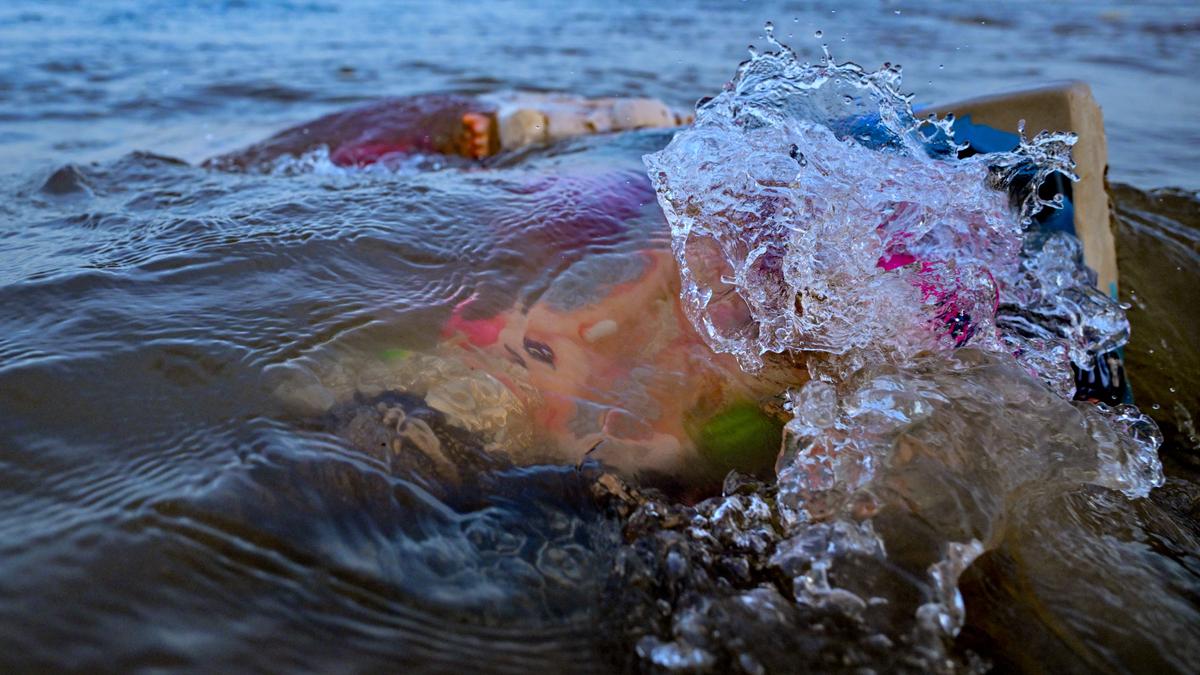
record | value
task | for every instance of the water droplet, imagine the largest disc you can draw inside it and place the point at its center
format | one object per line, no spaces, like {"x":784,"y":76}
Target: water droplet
{"x":819,"y":34}
{"x":1155,"y":406}
{"x":941,"y":66}
{"x":798,"y":156}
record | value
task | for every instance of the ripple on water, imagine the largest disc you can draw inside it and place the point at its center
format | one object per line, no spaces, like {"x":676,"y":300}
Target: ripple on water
{"x":158,"y":507}
{"x":158,"y":496}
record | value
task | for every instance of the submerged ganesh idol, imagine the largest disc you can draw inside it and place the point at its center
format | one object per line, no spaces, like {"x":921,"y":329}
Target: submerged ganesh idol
{"x":602,"y":362}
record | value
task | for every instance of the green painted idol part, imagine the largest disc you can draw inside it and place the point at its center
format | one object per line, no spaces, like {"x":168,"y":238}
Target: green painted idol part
{"x":741,"y":436}
{"x":395,"y":354}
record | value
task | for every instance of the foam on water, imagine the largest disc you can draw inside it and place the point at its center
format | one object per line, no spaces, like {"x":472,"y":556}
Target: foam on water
{"x":814,"y":215}
{"x":318,"y":162}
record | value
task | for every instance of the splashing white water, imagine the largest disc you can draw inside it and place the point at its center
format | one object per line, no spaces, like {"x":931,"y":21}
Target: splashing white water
{"x":318,"y":162}
{"x":813,"y":214}
{"x":811,"y":211}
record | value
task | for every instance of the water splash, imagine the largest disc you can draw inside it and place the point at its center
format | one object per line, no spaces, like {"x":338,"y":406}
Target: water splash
{"x":814,"y":215}
{"x":1053,"y":298}
{"x":812,"y":211}
{"x":891,"y":483}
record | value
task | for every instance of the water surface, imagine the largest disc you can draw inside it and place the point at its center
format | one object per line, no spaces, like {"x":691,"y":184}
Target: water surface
{"x":162,"y":507}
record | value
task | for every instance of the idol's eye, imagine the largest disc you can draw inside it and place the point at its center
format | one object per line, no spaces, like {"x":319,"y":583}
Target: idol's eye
{"x":540,"y":351}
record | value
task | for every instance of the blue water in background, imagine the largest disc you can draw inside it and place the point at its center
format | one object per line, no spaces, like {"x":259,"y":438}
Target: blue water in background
{"x":81,"y":81}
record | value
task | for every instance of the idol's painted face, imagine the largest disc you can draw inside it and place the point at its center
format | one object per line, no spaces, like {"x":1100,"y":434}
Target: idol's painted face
{"x":606,"y":363}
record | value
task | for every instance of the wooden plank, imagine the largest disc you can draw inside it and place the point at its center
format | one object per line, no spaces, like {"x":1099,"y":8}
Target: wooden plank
{"x":1062,"y":106}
